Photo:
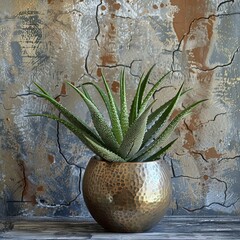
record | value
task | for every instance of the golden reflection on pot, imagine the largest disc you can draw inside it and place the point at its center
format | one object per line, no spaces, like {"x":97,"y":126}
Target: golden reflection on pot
{"x":127,"y":197}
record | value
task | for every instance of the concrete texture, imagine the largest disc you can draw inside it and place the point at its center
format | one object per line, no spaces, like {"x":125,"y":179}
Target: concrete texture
{"x":54,"y":41}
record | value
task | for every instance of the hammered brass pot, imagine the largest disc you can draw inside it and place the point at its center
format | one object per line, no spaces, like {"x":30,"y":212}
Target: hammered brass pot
{"x":127,"y":197}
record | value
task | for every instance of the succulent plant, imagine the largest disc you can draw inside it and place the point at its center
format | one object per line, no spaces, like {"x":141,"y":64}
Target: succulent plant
{"x":134,"y":135}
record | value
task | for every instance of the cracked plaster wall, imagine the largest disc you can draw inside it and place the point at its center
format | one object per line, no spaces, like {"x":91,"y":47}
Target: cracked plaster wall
{"x":52,"y":41}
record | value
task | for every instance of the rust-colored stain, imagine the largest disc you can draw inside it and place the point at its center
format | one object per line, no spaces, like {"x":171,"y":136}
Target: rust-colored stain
{"x":189,"y":141}
{"x":194,"y":123}
{"x":51,"y":158}
{"x":188,"y":11}
{"x":103,"y":8}
{"x":115,"y":86}
{"x":108,"y":59}
{"x":116,"y":6}
{"x":40,"y":188}
{"x":99,"y":72}
{"x":162,"y":5}
{"x":155,"y":6}
{"x":205,"y":177}
{"x":212,"y":153}
{"x":113,"y":29}
{"x":63,"y":89}
{"x":199,"y":54}
{"x":183,"y":19}
{"x":108,"y":51}
{"x":205,"y":78}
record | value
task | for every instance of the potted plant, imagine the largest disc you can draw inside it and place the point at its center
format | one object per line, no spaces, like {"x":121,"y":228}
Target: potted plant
{"x":125,"y":187}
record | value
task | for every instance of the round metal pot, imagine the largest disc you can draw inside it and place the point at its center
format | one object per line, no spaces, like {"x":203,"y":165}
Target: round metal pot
{"x":127,"y":197}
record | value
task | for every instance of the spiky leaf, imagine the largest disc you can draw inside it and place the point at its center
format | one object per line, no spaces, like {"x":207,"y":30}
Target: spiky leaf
{"x":90,"y":142}
{"x":158,"y":112}
{"x":151,"y":92}
{"x":159,"y":153}
{"x":143,"y":85}
{"x":123,"y":104}
{"x":87,"y":93}
{"x":67,"y":114}
{"x":135,"y":102}
{"x":101,"y":93}
{"x":134,"y":136}
{"x":156,"y":126}
{"x":144,"y":153}
{"x":99,"y":122}
{"x":113,"y":114}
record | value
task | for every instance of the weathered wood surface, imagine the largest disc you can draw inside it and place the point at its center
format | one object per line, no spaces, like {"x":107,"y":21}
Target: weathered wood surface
{"x":174,"y":228}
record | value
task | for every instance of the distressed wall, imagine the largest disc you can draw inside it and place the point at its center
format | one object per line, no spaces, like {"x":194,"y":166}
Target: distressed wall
{"x":52,"y":41}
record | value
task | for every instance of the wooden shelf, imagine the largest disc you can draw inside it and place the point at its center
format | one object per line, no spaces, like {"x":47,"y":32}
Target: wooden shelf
{"x":171,"y":227}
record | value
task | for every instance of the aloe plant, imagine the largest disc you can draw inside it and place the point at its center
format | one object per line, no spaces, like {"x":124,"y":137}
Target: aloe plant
{"x":133,"y":135}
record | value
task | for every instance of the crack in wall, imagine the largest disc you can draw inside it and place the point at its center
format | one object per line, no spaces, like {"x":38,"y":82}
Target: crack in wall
{"x":86,"y":66}
{"x":160,"y":89}
{"x":205,"y":177}
{"x":23,"y":186}
{"x":209,"y":205}
{"x":229,"y":158}
{"x":189,"y":30}
{"x":172,"y":168}
{"x":97,"y":22}
{"x":226,"y":187}
{"x":220,"y":65}
{"x":41,"y":202}
{"x":119,"y":65}
{"x":200,"y":154}
{"x":224,"y":2}
{"x":212,"y":120}
{"x":187,"y":126}
{"x":21,"y":165}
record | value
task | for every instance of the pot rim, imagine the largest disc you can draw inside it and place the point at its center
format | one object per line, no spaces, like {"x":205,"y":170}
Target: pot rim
{"x":97,"y":158}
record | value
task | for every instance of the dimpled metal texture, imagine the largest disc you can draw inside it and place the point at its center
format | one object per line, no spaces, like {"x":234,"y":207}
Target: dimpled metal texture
{"x":127,"y":197}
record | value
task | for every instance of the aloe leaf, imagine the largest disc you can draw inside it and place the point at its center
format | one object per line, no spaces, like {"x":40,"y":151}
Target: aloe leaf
{"x":104,"y":152}
{"x":86,"y":93}
{"x":79,"y":133}
{"x":67,"y":114}
{"x":156,"y":113}
{"x":134,"y":136}
{"x":99,"y":122}
{"x":151,"y":92}
{"x":41,"y":89}
{"x":156,"y":126}
{"x":113,"y":114}
{"x":90,"y":142}
{"x":123,"y":104}
{"x":136,"y":104}
{"x":101,"y":93}
{"x":159,"y":153}
{"x":134,"y":107}
{"x":145,"y":152}
{"x":143,"y":86}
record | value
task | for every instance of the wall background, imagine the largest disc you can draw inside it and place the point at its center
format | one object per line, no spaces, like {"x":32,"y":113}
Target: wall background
{"x":49,"y":42}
